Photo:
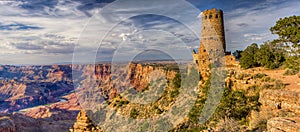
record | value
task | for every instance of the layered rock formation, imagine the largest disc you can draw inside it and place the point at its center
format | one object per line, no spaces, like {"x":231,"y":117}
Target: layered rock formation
{"x":84,"y":124}
{"x":281,"y":109}
{"x":278,"y":101}
{"x":44,"y":94}
{"x":28,"y":86}
{"x":20,"y":123}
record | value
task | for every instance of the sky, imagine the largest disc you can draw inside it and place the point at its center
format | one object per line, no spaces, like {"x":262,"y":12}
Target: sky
{"x":64,"y":31}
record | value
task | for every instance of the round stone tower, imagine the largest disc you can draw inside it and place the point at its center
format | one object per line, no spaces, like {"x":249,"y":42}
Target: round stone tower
{"x":213,"y":36}
{"x":212,"y":41}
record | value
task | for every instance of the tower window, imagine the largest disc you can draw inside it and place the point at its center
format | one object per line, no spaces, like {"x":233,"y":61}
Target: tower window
{"x":205,"y":17}
{"x":217,"y":16}
{"x":210,"y":16}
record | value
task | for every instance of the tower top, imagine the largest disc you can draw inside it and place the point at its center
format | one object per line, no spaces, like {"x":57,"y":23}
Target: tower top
{"x":213,"y":10}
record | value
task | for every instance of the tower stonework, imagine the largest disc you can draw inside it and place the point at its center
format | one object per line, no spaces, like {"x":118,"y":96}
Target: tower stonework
{"x":213,"y":36}
{"x":212,"y":41}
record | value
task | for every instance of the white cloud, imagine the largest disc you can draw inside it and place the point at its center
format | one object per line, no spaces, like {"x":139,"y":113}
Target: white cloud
{"x":61,"y":26}
{"x":64,"y":22}
{"x":251,"y":25}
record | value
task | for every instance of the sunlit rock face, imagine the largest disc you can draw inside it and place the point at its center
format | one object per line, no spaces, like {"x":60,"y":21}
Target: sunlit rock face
{"x":284,"y":124}
{"x":83,"y":123}
{"x":282,"y":109}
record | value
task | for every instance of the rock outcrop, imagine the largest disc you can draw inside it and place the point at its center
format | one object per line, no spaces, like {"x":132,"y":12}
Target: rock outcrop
{"x":84,"y":124}
{"x":7,"y":125}
{"x":281,"y":109}
{"x":284,"y":124}
{"x":278,"y":101}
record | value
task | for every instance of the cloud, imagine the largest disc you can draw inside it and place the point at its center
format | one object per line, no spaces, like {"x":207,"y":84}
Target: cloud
{"x":42,"y":31}
{"x":39,"y":28}
{"x":250,"y":24}
{"x":18,"y":26}
{"x":242,"y":24}
{"x":27,"y":46}
{"x":257,"y":37}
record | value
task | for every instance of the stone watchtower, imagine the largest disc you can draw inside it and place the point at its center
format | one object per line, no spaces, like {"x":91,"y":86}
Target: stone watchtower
{"x":212,"y":42}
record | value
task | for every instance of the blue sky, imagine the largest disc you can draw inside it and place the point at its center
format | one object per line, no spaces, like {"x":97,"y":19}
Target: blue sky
{"x":46,"y":32}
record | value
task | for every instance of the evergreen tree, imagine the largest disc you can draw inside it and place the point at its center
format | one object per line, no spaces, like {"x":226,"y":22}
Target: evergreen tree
{"x":288,"y":30}
{"x":248,"y":56}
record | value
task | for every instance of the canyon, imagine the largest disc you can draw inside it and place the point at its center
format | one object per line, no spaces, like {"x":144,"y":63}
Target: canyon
{"x":35,"y":98}
{"x":45,"y":98}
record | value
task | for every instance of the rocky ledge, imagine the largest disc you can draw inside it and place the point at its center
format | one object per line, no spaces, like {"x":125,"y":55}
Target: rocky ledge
{"x":284,"y":124}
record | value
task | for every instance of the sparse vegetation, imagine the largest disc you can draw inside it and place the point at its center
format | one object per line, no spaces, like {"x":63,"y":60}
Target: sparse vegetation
{"x":234,"y":108}
{"x":134,"y":113}
{"x":259,"y":75}
{"x":291,"y":72}
{"x":267,"y":86}
{"x":279,"y":85}
{"x":268,"y":79}
{"x":242,"y":76}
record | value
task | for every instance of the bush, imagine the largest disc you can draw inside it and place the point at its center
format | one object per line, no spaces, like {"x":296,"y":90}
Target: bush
{"x":177,"y":80}
{"x":279,"y":85}
{"x":290,"y":72}
{"x":236,"y":105}
{"x":268,"y":79}
{"x":233,"y":110}
{"x":242,"y":76}
{"x":259,"y":75}
{"x":267,"y":86}
{"x":134,"y":113}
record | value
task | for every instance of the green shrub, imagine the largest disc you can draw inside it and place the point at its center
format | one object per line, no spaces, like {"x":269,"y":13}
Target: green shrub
{"x":268,"y":79}
{"x":242,"y":76}
{"x":279,"y":85}
{"x":177,"y":80}
{"x":134,"y":113}
{"x":267,"y":86}
{"x":290,"y":72}
{"x":259,"y":75}
{"x":236,"y":105}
